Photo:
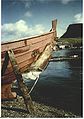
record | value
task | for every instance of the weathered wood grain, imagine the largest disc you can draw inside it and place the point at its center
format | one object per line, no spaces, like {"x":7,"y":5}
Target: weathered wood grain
{"x":22,"y":87}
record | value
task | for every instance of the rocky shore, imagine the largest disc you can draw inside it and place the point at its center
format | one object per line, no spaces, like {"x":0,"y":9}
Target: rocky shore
{"x":16,"y":109}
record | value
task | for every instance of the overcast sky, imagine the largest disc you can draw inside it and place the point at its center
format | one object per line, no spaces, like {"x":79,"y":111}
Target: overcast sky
{"x":22,"y":18}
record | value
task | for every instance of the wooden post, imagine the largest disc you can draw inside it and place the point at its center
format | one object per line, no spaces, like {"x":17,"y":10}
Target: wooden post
{"x":6,"y":92}
{"x":54,"y":23}
{"x":5,"y":64}
{"x":23,"y":88}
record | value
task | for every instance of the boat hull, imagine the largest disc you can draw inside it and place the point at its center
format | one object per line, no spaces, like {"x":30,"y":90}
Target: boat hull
{"x":26,"y":52}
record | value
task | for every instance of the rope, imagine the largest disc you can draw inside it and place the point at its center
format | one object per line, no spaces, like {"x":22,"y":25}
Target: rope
{"x":34,"y":84}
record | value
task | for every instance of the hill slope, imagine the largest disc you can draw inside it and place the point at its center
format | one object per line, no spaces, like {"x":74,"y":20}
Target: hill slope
{"x":74,"y":31}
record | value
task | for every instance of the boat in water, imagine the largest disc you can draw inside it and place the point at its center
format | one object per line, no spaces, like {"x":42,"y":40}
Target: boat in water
{"x":30,"y":54}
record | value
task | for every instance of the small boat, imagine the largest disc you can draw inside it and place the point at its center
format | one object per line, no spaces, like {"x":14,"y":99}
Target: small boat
{"x":28,"y":53}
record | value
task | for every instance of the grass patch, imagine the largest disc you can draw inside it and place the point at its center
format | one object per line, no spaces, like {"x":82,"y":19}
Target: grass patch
{"x":74,"y":41}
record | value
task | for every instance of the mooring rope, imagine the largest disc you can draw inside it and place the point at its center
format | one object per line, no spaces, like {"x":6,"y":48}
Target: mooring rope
{"x":34,"y":84}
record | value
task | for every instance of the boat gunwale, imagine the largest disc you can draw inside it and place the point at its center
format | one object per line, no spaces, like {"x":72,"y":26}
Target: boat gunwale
{"x":26,"y":38}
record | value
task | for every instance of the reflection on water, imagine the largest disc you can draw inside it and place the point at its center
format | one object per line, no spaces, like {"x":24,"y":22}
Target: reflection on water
{"x":59,"y":69}
{"x":60,"y":85}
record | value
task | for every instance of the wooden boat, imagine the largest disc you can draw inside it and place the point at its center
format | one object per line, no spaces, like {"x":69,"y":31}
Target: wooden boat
{"x":26,"y":51}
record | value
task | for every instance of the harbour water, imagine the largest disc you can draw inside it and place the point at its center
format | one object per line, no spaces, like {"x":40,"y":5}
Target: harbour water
{"x":60,"y":85}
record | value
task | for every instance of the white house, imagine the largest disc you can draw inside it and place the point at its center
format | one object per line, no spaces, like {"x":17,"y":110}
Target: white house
{"x":62,"y":46}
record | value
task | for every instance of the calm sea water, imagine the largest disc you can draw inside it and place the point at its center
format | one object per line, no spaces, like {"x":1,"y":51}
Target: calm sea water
{"x":60,"y":85}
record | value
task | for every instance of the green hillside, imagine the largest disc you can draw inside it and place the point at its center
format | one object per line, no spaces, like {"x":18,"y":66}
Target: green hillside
{"x":73,"y":41}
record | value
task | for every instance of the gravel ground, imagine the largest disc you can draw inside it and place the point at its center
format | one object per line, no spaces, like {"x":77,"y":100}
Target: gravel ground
{"x":16,"y":108}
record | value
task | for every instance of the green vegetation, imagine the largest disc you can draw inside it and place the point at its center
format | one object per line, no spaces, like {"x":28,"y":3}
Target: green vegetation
{"x":71,"y":41}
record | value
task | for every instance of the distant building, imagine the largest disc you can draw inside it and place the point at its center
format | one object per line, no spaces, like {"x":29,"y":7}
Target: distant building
{"x":62,"y":47}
